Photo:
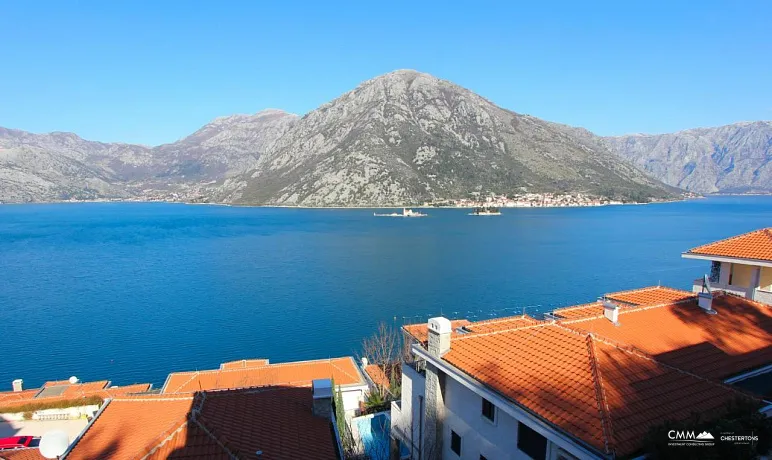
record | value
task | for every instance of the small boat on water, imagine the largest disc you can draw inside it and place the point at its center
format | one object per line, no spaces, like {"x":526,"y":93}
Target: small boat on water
{"x":405,"y":213}
{"x":485,"y":211}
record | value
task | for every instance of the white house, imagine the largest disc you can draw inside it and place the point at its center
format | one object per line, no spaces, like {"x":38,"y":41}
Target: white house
{"x":741,"y":265}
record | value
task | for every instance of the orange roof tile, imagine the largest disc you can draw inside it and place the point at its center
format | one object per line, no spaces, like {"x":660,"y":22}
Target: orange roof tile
{"x":605,"y":395}
{"x":244,"y":364}
{"x":588,"y":310}
{"x":653,"y":295}
{"x":219,"y":424}
{"x":500,"y":324}
{"x":753,"y":245}
{"x":377,"y":375}
{"x":420,"y":331}
{"x":737,"y":339}
{"x":71,"y":392}
{"x":21,"y":454}
{"x":343,"y":370}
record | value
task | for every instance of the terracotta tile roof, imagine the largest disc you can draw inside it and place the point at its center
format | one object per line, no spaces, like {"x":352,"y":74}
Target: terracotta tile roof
{"x":584,"y":311}
{"x":244,"y":364}
{"x":209,"y":425}
{"x":420,"y":331}
{"x":653,"y":295}
{"x":737,"y":339}
{"x":69,"y":392}
{"x":21,"y":454}
{"x":500,"y":324}
{"x":753,"y":245}
{"x":377,"y":375}
{"x":343,"y":370}
{"x":600,"y":393}
{"x":648,"y":296}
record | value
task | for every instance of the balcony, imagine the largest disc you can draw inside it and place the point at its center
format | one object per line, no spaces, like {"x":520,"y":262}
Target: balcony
{"x":760,"y":295}
{"x":730,"y":288}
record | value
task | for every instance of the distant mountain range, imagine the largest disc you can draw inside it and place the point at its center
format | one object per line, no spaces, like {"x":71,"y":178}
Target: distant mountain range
{"x":401,"y":138}
{"x":735,"y":158}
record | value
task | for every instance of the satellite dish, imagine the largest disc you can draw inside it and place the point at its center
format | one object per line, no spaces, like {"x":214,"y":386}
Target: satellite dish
{"x":73,"y":380}
{"x":54,"y":443}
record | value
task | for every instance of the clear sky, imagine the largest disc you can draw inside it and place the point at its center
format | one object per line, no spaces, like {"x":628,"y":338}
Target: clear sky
{"x":153,"y":72}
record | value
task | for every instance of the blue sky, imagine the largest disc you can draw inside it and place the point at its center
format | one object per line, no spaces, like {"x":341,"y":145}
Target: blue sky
{"x":153,"y":72}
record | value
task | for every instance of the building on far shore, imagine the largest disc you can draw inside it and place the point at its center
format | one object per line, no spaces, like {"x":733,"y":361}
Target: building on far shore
{"x":587,"y":381}
{"x":740,"y":265}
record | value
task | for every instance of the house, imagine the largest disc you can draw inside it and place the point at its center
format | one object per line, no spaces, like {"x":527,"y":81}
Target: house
{"x":259,"y":372}
{"x":741,"y":265}
{"x":587,"y":381}
{"x":275,"y":422}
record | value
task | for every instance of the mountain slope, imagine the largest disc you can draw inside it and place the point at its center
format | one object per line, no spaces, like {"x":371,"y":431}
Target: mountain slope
{"x":60,"y":166}
{"x":732,"y":158}
{"x":405,"y":137}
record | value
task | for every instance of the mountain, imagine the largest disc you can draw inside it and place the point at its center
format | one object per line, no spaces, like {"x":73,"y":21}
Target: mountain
{"x":401,"y":138}
{"x":407,"y":137}
{"x":61,"y":166}
{"x":730,"y":159}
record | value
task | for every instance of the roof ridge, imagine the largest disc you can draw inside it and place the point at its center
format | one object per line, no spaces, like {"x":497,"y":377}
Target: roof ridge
{"x":193,"y":376}
{"x":269,"y":365}
{"x":332,"y":364}
{"x":642,"y":354}
{"x":474,"y":335}
{"x":632,"y":309}
{"x":730,"y":238}
{"x":150,"y":449}
{"x":576,"y":307}
{"x":600,"y":395}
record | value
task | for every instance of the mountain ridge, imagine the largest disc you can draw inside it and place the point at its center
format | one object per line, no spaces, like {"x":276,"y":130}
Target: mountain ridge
{"x":400,"y":138}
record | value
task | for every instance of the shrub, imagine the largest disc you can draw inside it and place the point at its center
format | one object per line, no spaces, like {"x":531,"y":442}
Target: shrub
{"x":57,"y":404}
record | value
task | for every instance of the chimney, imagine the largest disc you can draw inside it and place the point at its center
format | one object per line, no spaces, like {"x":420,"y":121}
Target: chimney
{"x":322,"y":390}
{"x":705,"y":301}
{"x":439,"y":336}
{"x":611,"y":311}
{"x":364,"y":362}
{"x":18,"y":385}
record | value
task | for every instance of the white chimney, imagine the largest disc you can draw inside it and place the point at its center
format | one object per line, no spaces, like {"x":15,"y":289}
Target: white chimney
{"x":611,"y":311}
{"x":18,"y":385}
{"x":439,"y":336}
{"x":322,"y":390}
{"x":364,"y":362}
{"x":705,"y":301}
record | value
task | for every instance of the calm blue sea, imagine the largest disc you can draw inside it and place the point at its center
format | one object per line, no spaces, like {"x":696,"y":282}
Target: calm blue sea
{"x":130,"y":292}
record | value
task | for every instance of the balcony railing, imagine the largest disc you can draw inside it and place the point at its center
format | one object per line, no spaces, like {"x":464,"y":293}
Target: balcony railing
{"x":730,"y":288}
{"x":760,"y":295}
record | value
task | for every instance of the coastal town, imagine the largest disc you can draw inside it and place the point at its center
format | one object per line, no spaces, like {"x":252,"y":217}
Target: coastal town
{"x":589,"y":381}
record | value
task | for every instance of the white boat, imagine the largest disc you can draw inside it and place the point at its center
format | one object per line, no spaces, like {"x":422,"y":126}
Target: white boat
{"x":405,"y":213}
{"x":485,"y":211}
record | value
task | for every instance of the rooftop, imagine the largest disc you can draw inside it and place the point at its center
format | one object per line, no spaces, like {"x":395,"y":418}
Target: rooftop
{"x":342,"y":370}
{"x":608,"y":384}
{"x":756,"y":245}
{"x":244,"y":363}
{"x":213,"y":424}
{"x":64,"y":391}
{"x":737,"y":339}
{"x":21,"y":454}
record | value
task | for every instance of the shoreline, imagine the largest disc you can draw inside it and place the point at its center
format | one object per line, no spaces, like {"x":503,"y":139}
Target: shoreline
{"x":351,"y":207}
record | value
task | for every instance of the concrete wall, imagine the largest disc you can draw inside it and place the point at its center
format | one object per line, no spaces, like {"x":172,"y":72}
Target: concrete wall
{"x":351,"y":397}
{"x":741,"y":275}
{"x":766,"y":279}
{"x":407,"y":416}
{"x":68,"y":413}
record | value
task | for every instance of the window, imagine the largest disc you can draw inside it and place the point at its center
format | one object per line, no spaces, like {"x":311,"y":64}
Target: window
{"x":488,"y":410}
{"x":531,"y":442}
{"x":455,"y":443}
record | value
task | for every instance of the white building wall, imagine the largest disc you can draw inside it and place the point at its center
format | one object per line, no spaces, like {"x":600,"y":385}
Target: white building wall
{"x":351,"y":397}
{"x":408,"y":416}
{"x":463,"y":414}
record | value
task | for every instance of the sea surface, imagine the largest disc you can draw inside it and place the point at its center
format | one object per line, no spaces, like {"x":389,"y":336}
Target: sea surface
{"x":129,"y":292}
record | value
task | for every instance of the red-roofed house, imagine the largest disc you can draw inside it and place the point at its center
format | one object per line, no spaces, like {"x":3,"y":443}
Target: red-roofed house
{"x":582,"y":383}
{"x":265,"y":423}
{"x":741,"y":265}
